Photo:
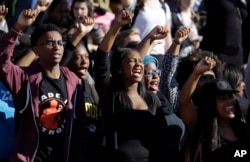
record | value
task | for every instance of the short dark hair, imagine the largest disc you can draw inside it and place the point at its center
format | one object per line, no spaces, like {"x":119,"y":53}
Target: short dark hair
{"x":40,"y":30}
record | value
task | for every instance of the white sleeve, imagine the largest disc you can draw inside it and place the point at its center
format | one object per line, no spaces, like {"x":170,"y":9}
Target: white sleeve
{"x":168,"y":13}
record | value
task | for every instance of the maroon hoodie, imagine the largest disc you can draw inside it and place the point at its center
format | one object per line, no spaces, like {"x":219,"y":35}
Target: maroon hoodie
{"x":23,"y":83}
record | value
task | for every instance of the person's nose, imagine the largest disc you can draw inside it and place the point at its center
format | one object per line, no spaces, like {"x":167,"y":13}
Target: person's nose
{"x":155,"y":75}
{"x":83,"y":60}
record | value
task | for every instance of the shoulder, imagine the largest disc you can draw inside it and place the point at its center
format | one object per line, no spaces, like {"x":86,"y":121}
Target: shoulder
{"x":154,"y":98}
{"x":166,"y":107}
{"x":69,"y":74}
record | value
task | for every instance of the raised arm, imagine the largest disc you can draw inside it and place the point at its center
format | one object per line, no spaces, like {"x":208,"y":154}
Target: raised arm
{"x":158,"y":32}
{"x":25,"y":19}
{"x":180,"y":35}
{"x":168,"y":83}
{"x":188,"y":110}
{"x":27,"y":59}
{"x":8,"y":71}
{"x":101,"y":66}
{"x":124,"y":18}
{"x":20,"y":26}
{"x":82,"y":27}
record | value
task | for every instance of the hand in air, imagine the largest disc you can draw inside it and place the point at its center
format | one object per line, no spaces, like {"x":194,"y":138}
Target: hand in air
{"x":3,"y":10}
{"x":181,"y":34}
{"x":26,"y":18}
{"x":158,"y":32}
{"x":84,"y":24}
{"x":124,"y":18}
{"x":205,"y":64}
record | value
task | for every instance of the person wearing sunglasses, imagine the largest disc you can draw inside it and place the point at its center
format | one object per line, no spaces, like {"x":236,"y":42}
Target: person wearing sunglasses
{"x":169,"y":127}
{"x":151,"y":73}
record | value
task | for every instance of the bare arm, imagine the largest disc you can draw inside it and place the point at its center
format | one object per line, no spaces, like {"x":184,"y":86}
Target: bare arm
{"x":25,"y":19}
{"x":158,"y":32}
{"x":180,"y":35}
{"x":124,"y":18}
{"x":83,"y":26}
{"x":188,"y":110}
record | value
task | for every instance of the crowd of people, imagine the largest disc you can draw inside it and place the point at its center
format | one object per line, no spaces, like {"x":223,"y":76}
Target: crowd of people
{"x":124,"y":81}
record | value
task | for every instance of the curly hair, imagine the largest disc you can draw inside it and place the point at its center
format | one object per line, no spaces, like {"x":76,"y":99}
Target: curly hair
{"x":187,"y":64}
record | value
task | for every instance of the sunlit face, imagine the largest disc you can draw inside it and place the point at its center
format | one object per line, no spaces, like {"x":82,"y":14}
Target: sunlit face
{"x":152,"y":78}
{"x":132,"y":67}
{"x":80,"y":62}
{"x":50,"y":48}
{"x":80,"y":9}
{"x":225,"y":107}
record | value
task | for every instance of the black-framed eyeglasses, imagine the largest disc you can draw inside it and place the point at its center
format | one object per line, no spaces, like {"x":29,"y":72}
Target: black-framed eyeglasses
{"x":53,"y":43}
{"x":152,"y":72}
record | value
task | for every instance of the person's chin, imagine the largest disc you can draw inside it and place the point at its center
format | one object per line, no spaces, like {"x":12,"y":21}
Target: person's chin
{"x":82,"y":76}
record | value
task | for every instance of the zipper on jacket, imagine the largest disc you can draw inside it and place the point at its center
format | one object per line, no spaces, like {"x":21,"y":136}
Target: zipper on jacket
{"x":74,"y":116}
{"x":32,"y":106}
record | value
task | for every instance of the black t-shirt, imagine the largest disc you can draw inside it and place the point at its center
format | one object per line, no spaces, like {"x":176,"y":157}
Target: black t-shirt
{"x":231,"y":151}
{"x":52,"y":119}
{"x":134,"y":130}
{"x":92,"y":112}
{"x":93,"y":121}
